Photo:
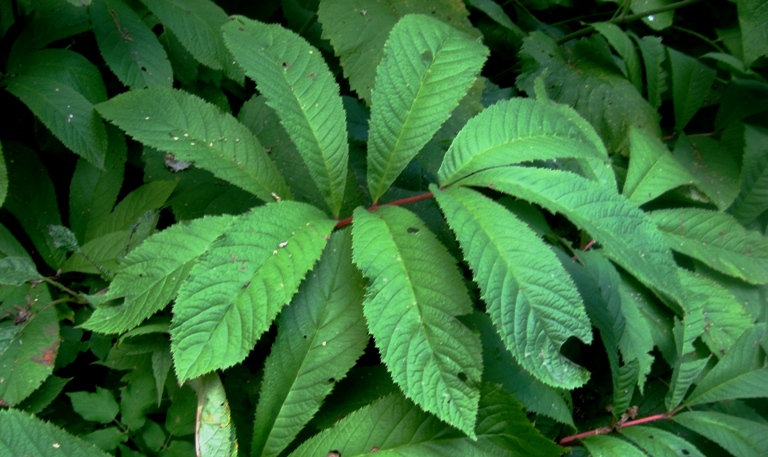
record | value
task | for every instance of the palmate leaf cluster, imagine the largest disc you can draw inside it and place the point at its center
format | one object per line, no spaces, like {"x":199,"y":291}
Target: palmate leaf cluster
{"x":335,"y":228}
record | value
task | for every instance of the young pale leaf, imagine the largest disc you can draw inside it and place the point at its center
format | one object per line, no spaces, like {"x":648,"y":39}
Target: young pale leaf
{"x":320,"y":336}
{"x":298,"y":85}
{"x":232,"y":295}
{"x":427,"y":67}
{"x":24,"y":434}
{"x":726,"y":319}
{"x":717,"y":240}
{"x":214,"y":430}
{"x":151,"y":275}
{"x":532,"y":301}
{"x":99,"y":406}
{"x":691,"y":83}
{"x":194,"y":130}
{"x":753,"y":15}
{"x":357,"y":29}
{"x":395,"y":426}
{"x":740,"y":437}
{"x":626,"y":234}
{"x":657,"y":442}
{"x":129,"y":47}
{"x":611,"y":446}
{"x":28,"y":344}
{"x":621,"y":42}
{"x":652,"y":168}
{"x":738,"y":374}
{"x":753,"y":198}
{"x":519,"y":130}
{"x":415,"y":294}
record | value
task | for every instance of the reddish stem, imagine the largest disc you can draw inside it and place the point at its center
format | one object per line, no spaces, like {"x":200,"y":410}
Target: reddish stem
{"x":375,"y":206}
{"x":608,"y":429}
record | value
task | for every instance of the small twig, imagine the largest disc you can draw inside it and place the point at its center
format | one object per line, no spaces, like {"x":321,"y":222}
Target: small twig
{"x":610,"y":428}
{"x":66,"y":289}
{"x":375,"y":206}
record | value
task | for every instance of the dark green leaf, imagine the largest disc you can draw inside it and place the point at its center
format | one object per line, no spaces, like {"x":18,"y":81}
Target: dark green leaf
{"x":99,"y":406}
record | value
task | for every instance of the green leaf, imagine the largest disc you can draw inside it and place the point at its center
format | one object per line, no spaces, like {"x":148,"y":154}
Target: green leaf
{"x":739,"y":373}
{"x":129,"y":47}
{"x":29,"y":341}
{"x":149,"y":197}
{"x":636,"y":343}
{"x":753,"y":198}
{"x":298,"y":85}
{"x":194,"y":130}
{"x":93,"y":191}
{"x":427,"y":67}
{"x":652,"y":169}
{"x":589,"y":81}
{"x":320,"y":336}
{"x":106,"y":439}
{"x":611,"y":446}
{"x":660,"y":443}
{"x":519,"y":130}
{"x":214,"y":431}
{"x":621,"y":42}
{"x":357,"y":30}
{"x":415,"y":293}
{"x":532,"y":301}
{"x":395,"y":426}
{"x":494,"y":11}
{"x":99,"y":406}
{"x":44,"y":395}
{"x":740,"y":437}
{"x":232,"y":295}
{"x":15,"y":271}
{"x":687,"y":365}
{"x":753,"y":15}
{"x":25,"y":434}
{"x":57,"y":98}
{"x":691,"y":82}
{"x":51,"y":21}
{"x":151,"y":275}
{"x":636,"y":246}
{"x":654,"y":56}
{"x":197,"y":24}
{"x":3,"y":178}
{"x":717,"y":240}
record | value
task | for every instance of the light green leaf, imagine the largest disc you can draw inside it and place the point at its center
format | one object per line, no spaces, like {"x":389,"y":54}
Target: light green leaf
{"x":151,"y":275}
{"x":654,"y":55}
{"x":532,"y":301}
{"x":411,"y":305}
{"x":740,"y":373}
{"x":127,"y":213}
{"x":519,"y":130}
{"x":740,"y":437}
{"x":232,"y":295}
{"x":660,"y":443}
{"x":713,"y":164}
{"x":298,"y":85}
{"x":99,"y":406}
{"x":320,"y":336}
{"x":129,"y":47}
{"x":29,"y":341}
{"x":621,"y":42}
{"x":637,"y":245}
{"x":93,"y":191}
{"x":691,"y":83}
{"x":194,"y":130}
{"x":197,"y":24}
{"x":357,"y":30}
{"x":214,"y":430}
{"x":717,"y":240}
{"x":611,"y":446}
{"x":652,"y":169}
{"x":427,"y":67}
{"x":395,"y":426}
{"x":25,"y":434}
{"x":753,"y":15}
{"x":753,"y":198}
{"x":15,"y":271}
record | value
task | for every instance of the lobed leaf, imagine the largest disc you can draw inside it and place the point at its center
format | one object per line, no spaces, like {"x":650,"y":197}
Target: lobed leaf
{"x":740,"y":437}
{"x":427,"y":68}
{"x":717,"y":240}
{"x":395,"y":426}
{"x":532,"y":301}
{"x":25,"y":434}
{"x":515,"y":131}
{"x":129,"y":47}
{"x":626,"y":234}
{"x":320,"y":336}
{"x":232,"y":295}
{"x":194,"y":130}
{"x":298,"y":85}
{"x":691,"y":82}
{"x":150,"y":276}
{"x":411,"y":305}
